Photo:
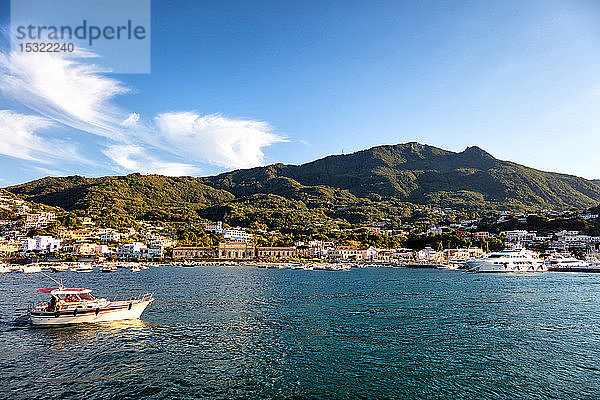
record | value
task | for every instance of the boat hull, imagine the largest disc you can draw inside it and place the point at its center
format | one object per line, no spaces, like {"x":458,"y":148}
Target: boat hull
{"x":591,"y":269}
{"x":486,"y":268}
{"x":90,"y":316}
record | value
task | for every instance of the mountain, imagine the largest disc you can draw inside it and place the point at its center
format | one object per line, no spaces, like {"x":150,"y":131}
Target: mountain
{"x":133,"y":194}
{"x":383,"y":181}
{"x":419,"y":174}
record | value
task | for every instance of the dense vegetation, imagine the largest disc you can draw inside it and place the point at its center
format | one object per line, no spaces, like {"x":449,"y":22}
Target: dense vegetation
{"x":382,"y":183}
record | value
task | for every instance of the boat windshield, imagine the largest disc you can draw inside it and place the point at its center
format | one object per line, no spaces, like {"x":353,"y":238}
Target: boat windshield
{"x":86,"y":296}
{"x":74,"y":298}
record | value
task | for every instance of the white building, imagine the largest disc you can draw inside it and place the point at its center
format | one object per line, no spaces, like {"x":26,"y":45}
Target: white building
{"x":154,"y":252}
{"x":519,"y":236}
{"x":41,"y":243}
{"x":237,"y":235}
{"x":213,"y":226}
{"x":110,"y":236}
{"x":132,"y":250}
{"x":160,"y":241}
{"x":581,"y":240}
{"x":589,"y":216}
{"x":38,"y":220}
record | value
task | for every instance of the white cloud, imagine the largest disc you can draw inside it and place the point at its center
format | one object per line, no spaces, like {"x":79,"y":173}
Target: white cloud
{"x":71,"y":91}
{"x":131,"y":120}
{"x":135,"y":158}
{"x":18,"y":139}
{"x":63,"y":89}
{"x":230,"y":143}
{"x":50,"y":172}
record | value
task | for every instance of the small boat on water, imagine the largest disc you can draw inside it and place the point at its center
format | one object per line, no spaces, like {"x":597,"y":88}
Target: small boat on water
{"x":83,"y":268}
{"x":449,"y":267}
{"x":426,"y":264}
{"x":4,"y":268}
{"x":108,"y":269}
{"x":58,"y":268}
{"x":77,"y":305}
{"x":135,"y":268}
{"x":31,"y":268}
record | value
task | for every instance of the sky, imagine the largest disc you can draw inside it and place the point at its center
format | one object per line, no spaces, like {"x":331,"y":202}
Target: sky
{"x":237,"y":84}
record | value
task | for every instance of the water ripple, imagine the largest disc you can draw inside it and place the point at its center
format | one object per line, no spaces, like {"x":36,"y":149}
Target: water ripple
{"x":225,"y":333}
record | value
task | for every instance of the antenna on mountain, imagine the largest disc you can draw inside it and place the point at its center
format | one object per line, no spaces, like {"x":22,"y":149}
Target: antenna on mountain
{"x":342,"y":150}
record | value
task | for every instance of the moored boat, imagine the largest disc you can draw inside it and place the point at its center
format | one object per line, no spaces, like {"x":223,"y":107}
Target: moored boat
{"x":59,"y":268}
{"x":567,"y":263}
{"x":83,"y":268}
{"x":516,"y":259}
{"x":31,"y":268}
{"x":77,"y":305}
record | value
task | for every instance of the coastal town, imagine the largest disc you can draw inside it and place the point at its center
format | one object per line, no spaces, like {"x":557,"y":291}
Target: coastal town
{"x":26,"y":239}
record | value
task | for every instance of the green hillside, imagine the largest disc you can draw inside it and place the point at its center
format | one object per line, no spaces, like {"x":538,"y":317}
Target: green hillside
{"x":422,"y":174}
{"x":381,"y":182}
{"x":135,"y":194}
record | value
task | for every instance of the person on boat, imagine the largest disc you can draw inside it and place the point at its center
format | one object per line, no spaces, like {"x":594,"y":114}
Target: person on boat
{"x":52,"y":304}
{"x":71,"y":298}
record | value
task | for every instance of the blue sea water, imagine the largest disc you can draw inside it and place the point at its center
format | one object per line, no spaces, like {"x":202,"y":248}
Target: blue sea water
{"x":248,"y":333}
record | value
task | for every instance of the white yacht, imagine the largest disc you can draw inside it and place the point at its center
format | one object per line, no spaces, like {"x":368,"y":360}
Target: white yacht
{"x":516,"y":259}
{"x":567,"y":263}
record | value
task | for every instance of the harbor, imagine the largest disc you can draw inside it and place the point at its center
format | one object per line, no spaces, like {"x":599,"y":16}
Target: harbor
{"x":299,"y":200}
{"x":384,"y":332}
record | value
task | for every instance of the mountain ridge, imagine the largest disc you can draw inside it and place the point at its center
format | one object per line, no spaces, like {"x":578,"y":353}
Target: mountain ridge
{"x":367,"y":184}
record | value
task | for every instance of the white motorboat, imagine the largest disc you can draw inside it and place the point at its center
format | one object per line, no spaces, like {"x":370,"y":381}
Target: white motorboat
{"x":59,"y":268}
{"x":516,"y":259}
{"x":73,"y":306}
{"x":450,"y":265}
{"x":31,"y":268}
{"x":83,"y":268}
{"x":4,"y":268}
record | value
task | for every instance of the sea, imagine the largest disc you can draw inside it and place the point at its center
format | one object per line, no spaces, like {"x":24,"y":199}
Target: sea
{"x":369,"y":333}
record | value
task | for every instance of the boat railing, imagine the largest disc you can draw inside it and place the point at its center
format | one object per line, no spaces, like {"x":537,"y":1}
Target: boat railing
{"x":141,"y":297}
{"x":36,"y":306}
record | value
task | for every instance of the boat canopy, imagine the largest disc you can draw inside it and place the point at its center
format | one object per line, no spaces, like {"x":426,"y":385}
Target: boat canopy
{"x":60,"y":291}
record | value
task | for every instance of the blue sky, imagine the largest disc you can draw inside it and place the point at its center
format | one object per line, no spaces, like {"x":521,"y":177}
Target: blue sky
{"x":287,"y":81}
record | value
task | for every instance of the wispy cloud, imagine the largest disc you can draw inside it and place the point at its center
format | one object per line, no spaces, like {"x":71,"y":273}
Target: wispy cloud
{"x":49,"y":171}
{"x":67,"y":89}
{"x":19,"y":138}
{"x":135,"y":158}
{"x":72,"y":91}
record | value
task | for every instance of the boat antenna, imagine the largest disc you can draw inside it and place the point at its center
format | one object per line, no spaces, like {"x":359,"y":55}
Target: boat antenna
{"x":60,"y":284}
